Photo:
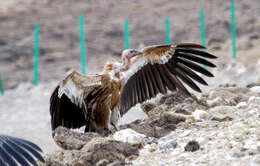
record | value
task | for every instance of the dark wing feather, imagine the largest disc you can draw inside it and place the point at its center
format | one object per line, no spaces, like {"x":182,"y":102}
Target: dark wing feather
{"x":64,"y":112}
{"x":152,"y":78}
{"x":66,"y":109}
{"x":165,"y":67}
{"x":158,"y":80}
{"x":196,"y":52}
{"x":195,"y":59}
{"x":16,"y":151}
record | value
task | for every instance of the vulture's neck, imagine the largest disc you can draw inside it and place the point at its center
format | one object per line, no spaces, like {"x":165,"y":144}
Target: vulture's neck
{"x":114,"y":70}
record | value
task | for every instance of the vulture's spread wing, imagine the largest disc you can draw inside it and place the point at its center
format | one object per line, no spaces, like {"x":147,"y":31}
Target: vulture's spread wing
{"x":67,"y":100}
{"x":164,"y":67}
{"x":16,"y":151}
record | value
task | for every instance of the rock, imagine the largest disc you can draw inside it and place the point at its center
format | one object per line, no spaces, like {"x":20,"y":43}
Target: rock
{"x":146,"y":107}
{"x":216,"y":101}
{"x":253,"y":103}
{"x":190,"y":119}
{"x":118,"y":163}
{"x":203,"y":140}
{"x":129,"y":136}
{"x":163,"y":145}
{"x":99,"y":151}
{"x":253,"y":100}
{"x":241,"y":105}
{"x":223,"y":113}
{"x":69,"y":140}
{"x":173,"y":98}
{"x":255,"y":89}
{"x":153,"y":147}
{"x":183,"y":111}
{"x":164,"y":130}
{"x":154,"y":112}
{"x":200,"y":115}
{"x":230,"y":96}
{"x":172,"y":118}
{"x":124,"y":148}
{"x":257,"y":83}
{"x":102,"y":162}
{"x":192,"y":146}
{"x":99,"y":156}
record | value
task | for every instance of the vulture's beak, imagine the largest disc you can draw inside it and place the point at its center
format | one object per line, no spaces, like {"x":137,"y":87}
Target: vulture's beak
{"x":135,"y":53}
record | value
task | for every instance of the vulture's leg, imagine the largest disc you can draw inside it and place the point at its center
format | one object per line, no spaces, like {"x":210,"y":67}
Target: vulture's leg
{"x":115,"y":126}
{"x":106,"y":131}
{"x":89,"y":110}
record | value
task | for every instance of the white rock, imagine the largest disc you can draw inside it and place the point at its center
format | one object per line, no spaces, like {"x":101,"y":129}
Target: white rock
{"x":255,"y":89}
{"x":223,"y":113}
{"x":130,"y":136}
{"x":203,"y":140}
{"x":185,"y":133}
{"x":241,"y":105}
{"x":254,"y":99}
{"x":250,"y":144}
{"x":214,"y":102}
{"x":254,"y":103}
{"x":167,"y":144}
{"x":200,"y":114}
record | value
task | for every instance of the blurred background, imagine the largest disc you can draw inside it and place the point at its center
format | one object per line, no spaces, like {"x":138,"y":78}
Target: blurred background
{"x":24,"y":108}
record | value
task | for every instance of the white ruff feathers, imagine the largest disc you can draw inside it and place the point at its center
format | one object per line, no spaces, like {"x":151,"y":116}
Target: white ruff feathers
{"x":134,"y":68}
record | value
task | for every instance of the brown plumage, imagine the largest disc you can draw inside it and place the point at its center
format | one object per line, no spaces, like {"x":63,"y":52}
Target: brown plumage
{"x":99,"y":101}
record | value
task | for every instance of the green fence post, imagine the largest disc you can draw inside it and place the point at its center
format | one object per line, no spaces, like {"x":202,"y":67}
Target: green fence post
{"x":202,"y":30}
{"x":233,"y":29}
{"x":82,"y":43}
{"x":1,"y":86}
{"x":36,"y":55}
{"x":127,"y":35}
{"x":168,"y":30}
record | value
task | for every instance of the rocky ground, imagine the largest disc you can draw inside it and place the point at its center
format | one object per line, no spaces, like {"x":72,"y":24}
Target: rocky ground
{"x":221,"y":127}
{"x":218,"y":127}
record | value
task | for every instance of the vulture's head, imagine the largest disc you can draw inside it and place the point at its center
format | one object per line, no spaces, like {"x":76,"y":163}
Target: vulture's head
{"x":127,"y":55}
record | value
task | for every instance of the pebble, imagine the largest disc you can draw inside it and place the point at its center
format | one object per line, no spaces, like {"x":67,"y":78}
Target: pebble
{"x":223,"y":113}
{"x":190,"y":119}
{"x":241,"y":105}
{"x":192,"y":146}
{"x":257,"y":159}
{"x":255,"y":89}
{"x":214,"y":102}
{"x":130,"y":136}
{"x":153,"y":147}
{"x":200,"y":114}
{"x":203,"y":140}
{"x":173,"y":118}
{"x":168,"y":144}
{"x":253,"y":99}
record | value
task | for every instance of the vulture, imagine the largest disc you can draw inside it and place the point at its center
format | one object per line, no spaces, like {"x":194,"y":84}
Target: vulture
{"x":98,"y":101}
{"x":16,"y":151}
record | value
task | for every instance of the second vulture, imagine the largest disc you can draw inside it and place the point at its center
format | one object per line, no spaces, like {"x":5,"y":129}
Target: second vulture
{"x":98,"y":101}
